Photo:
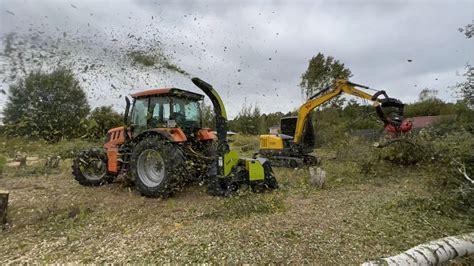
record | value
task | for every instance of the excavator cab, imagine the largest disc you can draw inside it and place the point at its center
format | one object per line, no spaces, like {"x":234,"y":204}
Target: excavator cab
{"x":288,"y":125}
{"x":288,"y":128}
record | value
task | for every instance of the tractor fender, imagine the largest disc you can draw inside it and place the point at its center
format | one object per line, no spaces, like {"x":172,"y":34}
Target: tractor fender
{"x":170,"y":134}
{"x":206,"y":134}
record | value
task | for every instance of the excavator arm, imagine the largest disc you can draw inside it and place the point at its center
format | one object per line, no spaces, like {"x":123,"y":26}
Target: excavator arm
{"x":344,"y":86}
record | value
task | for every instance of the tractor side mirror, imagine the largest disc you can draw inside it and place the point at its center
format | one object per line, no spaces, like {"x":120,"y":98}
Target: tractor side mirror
{"x":127,"y":109}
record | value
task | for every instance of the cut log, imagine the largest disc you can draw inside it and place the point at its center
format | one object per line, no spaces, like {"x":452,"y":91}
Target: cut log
{"x":432,"y":253}
{"x":3,"y":207}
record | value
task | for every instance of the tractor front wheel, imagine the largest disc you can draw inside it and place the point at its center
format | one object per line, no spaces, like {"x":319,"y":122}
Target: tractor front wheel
{"x":157,"y":167}
{"x":90,"y":168}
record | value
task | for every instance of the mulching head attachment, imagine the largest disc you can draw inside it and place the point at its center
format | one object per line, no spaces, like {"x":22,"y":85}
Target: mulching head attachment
{"x":393,"y":119}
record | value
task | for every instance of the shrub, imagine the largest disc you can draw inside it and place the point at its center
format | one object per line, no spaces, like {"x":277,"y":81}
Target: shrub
{"x":101,"y":120}
{"x":442,"y":157}
{"x":404,"y":151}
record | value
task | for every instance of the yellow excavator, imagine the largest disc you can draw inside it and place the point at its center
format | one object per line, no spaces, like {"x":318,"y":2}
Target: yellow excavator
{"x":293,"y":144}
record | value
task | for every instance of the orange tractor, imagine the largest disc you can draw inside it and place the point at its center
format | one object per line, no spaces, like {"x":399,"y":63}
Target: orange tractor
{"x":163,"y":145}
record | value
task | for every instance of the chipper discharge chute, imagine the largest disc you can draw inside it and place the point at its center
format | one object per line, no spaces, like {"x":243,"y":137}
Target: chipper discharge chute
{"x":163,"y":146}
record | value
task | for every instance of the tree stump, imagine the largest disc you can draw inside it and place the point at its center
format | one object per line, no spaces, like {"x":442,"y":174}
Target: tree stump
{"x":52,"y":162}
{"x":317,"y":177}
{"x":3,"y":207}
{"x":23,"y":161}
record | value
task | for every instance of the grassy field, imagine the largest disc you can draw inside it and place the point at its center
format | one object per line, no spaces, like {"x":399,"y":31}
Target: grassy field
{"x":359,"y":215}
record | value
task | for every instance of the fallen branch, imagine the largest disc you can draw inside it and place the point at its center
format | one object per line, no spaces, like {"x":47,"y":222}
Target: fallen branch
{"x":392,"y":141}
{"x":432,"y":253}
{"x":462,"y":169}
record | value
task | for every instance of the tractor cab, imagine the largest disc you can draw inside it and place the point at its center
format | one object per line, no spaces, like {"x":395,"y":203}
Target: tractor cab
{"x":165,"y":108}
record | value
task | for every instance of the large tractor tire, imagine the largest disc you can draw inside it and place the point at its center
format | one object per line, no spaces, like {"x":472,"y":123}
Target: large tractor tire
{"x":157,"y":167}
{"x":90,"y":168}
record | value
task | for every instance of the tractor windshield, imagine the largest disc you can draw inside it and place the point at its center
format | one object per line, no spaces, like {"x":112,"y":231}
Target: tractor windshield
{"x":186,"y":113}
{"x":165,"y":111}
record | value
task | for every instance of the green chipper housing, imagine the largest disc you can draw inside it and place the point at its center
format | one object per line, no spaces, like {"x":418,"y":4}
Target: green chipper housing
{"x":163,"y":144}
{"x":228,"y":171}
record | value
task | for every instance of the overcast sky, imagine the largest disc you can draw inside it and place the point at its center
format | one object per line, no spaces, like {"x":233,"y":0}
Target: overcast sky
{"x":253,"y":52}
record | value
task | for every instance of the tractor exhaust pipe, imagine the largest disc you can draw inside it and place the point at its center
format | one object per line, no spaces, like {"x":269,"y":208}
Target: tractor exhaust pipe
{"x":125,"y":119}
{"x":127,"y":109}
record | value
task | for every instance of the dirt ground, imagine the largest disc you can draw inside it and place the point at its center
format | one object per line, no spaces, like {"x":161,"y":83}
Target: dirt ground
{"x":54,"y":219}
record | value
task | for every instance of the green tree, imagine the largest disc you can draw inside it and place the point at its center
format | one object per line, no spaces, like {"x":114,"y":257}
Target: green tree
{"x":208,"y":116}
{"x":101,"y":120}
{"x":270,"y":120}
{"x":321,"y":72}
{"x":427,"y":104}
{"x":248,"y":121}
{"x":427,"y":95}
{"x":50,"y":106}
{"x":466,"y":88}
{"x":257,"y":121}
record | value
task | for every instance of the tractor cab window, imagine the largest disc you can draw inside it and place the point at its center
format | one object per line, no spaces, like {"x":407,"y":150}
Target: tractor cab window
{"x":186,"y":113}
{"x":192,"y":111}
{"x":160,"y":112}
{"x":140,"y":114}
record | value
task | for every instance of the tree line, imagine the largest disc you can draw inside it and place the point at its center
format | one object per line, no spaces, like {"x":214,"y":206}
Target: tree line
{"x":344,"y":115}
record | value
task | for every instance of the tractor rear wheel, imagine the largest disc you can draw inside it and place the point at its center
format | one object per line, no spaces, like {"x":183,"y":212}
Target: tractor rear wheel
{"x":90,"y":168}
{"x":157,"y":167}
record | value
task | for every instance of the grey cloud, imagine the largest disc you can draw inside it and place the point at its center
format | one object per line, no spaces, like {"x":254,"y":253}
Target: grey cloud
{"x":213,"y":39}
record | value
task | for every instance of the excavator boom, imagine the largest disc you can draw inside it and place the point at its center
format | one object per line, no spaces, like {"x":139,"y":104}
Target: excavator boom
{"x":340,"y":86}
